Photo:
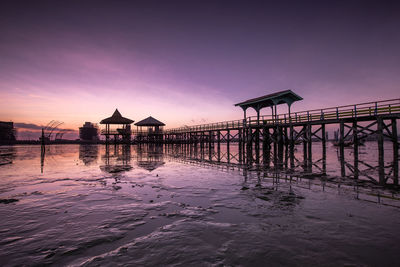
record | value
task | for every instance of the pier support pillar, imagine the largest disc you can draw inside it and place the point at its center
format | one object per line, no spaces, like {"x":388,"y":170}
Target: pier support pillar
{"x":381,"y":160}
{"x":219,"y":145}
{"x":323,"y":148}
{"x":341,"y":147}
{"x":305,"y":139}
{"x":228,"y":140}
{"x":291,"y":147}
{"x":395,"y":152}
{"x":309,"y":147}
{"x":266,"y":147}
{"x":240,"y":136}
{"x":355,"y":146}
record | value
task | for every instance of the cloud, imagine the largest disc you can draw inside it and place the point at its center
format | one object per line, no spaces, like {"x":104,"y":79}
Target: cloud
{"x":33,"y":126}
{"x":28,"y":126}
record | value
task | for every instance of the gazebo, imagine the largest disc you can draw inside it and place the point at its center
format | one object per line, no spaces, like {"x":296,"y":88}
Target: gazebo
{"x":153,"y":130}
{"x":271,"y":100}
{"x":117,"y":125}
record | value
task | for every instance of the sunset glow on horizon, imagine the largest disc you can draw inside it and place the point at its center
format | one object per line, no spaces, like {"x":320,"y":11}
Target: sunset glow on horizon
{"x":188,"y":62}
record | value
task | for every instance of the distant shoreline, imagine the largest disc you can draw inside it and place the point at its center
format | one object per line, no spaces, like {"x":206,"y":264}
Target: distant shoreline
{"x":58,"y":142}
{"x":102,"y":142}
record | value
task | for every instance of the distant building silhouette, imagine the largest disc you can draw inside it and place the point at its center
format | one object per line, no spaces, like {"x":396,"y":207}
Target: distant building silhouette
{"x":89,"y":132}
{"x":7,"y":131}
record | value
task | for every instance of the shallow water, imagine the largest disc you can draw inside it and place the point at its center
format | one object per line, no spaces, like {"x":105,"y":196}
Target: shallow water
{"x":147,"y":206}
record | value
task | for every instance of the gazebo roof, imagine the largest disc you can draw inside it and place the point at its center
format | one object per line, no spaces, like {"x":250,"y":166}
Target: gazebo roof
{"x":150,"y":121}
{"x":273,"y":99}
{"x":116,"y":118}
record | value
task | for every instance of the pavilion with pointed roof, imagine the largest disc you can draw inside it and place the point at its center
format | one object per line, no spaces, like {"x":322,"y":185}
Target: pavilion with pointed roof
{"x":116,"y":126}
{"x":153,"y":131}
{"x":270,"y":100}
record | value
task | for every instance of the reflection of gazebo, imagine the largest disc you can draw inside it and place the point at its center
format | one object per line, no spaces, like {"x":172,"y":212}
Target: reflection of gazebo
{"x":117,"y":125}
{"x":153,"y":130}
{"x":150,"y":157}
{"x":118,"y":161}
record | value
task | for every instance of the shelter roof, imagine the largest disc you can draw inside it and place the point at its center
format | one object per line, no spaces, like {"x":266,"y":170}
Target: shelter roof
{"x":269,"y":100}
{"x":150,"y":121}
{"x":116,"y":118}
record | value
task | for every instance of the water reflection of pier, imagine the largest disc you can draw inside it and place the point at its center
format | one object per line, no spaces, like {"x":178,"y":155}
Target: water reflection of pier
{"x":117,"y":158}
{"x":150,"y":156}
{"x":88,"y":153}
{"x":275,"y":175}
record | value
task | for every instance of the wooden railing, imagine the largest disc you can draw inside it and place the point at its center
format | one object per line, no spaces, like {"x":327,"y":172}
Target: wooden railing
{"x":341,"y":112}
{"x":132,"y":132}
{"x":335,"y":113}
{"x":115,"y":131}
{"x":208,"y":127}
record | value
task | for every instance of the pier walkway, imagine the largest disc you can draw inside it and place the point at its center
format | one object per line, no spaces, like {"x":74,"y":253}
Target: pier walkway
{"x":258,"y":136}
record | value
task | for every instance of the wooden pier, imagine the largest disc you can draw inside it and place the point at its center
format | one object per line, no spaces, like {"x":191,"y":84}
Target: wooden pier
{"x":258,"y":136}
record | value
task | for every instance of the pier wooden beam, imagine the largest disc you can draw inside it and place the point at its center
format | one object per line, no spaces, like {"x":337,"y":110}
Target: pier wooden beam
{"x":381,"y":160}
{"x":341,"y":146}
{"x":309,"y":147}
{"x":305,"y":139}
{"x":355,"y":146}
{"x":323,"y":148}
{"x":395,"y":152}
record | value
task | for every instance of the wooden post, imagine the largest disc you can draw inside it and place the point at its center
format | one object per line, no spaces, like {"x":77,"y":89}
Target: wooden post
{"x":323,"y":148}
{"x":309,"y":152}
{"x":291,"y":144}
{"x":381,"y":160}
{"x":257,"y":145}
{"x":267,"y":147}
{"x":248,"y":150}
{"x":240,"y":145}
{"x":305,"y":139}
{"x":249,"y":146}
{"x":264,"y":141}
{"x":341,"y":154}
{"x":395,"y":152}
{"x":280,"y":145}
{"x":355,"y":146}
{"x":210,"y":137}
{"x":286,"y":149}
{"x":275,"y":141}
{"x":228,"y":137}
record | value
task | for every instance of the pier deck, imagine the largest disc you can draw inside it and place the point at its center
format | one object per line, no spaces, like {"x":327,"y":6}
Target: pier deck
{"x":259,"y":135}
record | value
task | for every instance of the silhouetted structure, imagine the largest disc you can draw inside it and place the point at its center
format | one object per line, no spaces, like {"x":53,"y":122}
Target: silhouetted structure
{"x":89,"y":132}
{"x":270,"y":100}
{"x":259,"y":135}
{"x":7,"y":131}
{"x":116,"y":126}
{"x":153,"y":132}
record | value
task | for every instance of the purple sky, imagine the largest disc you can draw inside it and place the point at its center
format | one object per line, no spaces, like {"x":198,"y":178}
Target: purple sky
{"x":188,"y":62}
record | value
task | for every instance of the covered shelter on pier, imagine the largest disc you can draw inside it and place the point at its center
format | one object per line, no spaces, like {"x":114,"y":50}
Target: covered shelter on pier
{"x":270,"y":100}
{"x":153,"y":130}
{"x":116,"y":126}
